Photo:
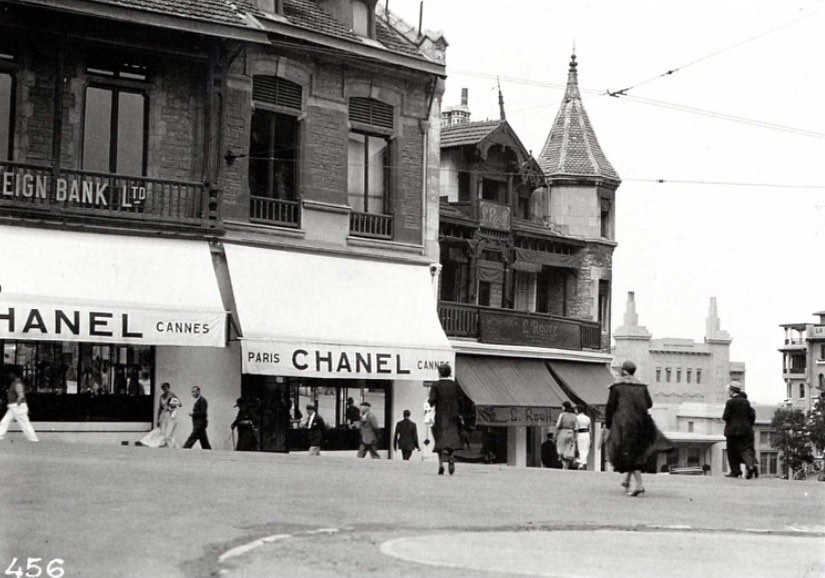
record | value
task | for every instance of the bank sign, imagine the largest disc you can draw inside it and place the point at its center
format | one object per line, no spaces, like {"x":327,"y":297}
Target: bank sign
{"x":49,"y":322}
{"x":261,"y":357}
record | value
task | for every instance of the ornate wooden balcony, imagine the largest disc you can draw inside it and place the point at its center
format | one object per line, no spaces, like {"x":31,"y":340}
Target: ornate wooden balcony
{"x":279,"y":212}
{"x":41,"y":191}
{"x":510,"y":327}
{"x":370,"y":225}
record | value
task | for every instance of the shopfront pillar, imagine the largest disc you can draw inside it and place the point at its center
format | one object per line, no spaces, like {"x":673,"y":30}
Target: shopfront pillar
{"x":517,"y":446}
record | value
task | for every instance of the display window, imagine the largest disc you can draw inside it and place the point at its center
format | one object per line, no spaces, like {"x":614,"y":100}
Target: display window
{"x":71,"y":381}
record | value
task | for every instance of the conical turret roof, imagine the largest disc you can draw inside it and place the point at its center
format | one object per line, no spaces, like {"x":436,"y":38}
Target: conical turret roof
{"x":571,"y":148}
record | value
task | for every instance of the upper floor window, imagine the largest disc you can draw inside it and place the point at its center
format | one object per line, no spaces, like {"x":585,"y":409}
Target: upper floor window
{"x":822,"y":351}
{"x":687,"y":375}
{"x":493,"y":190}
{"x":789,"y":390}
{"x":802,"y":390}
{"x":362,"y":19}
{"x":604,"y":304}
{"x":368,"y":155}
{"x":115,"y":119}
{"x":690,"y":427}
{"x":698,"y":376}
{"x":667,"y":375}
{"x":678,"y":376}
{"x":464,"y":189}
{"x":821,"y":382}
{"x":525,"y":291}
{"x":605,"y":219}
{"x":658,"y":374}
{"x":6,"y":115}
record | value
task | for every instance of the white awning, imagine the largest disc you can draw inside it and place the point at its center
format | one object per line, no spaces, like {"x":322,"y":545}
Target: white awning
{"x":311,"y":315}
{"x":71,"y":286}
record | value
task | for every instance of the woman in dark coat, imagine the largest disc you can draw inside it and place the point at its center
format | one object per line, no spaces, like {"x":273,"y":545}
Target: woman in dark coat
{"x":245,"y":425}
{"x":444,"y":397}
{"x":632,"y":431}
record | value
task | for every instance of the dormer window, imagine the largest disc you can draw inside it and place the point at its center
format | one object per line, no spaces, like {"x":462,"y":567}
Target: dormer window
{"x":360,"y":18}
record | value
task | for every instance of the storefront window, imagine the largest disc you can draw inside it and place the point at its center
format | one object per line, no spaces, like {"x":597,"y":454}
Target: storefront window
{"x":70,"y":381}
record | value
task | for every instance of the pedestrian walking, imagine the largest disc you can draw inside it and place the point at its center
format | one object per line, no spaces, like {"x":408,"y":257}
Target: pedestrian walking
{"x":549,"y":453}
{"x":633,"y":436}
{"x":168,"y":415}
{"x":17,"y":409}
{"x":445,"y":395}
{"x":583,"y":437}
{"x":352,"y":414}
{"x":244,"y":424}
{"x":199,"y":421}
{"x":406,"y":436}
{"x":739,"y":417}
{"x":368,"y":427}
{"x":566,"y":435}
{"x":315,"y":429}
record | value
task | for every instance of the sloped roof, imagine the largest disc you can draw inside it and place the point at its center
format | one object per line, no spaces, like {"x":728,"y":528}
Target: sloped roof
{"x":571,"y":148}
{"x":305,"y":14}
{"x":468,"y":133}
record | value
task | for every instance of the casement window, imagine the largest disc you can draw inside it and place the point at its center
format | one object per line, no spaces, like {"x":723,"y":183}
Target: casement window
{"x":525,"y":291}
{"x":115,"y":119}
{"x":369,"y":155}
{"x":7,"y":101}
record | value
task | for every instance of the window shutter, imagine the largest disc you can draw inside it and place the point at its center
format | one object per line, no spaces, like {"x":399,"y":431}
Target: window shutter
{"x":370,"y":111}
{"x":277,"y":91}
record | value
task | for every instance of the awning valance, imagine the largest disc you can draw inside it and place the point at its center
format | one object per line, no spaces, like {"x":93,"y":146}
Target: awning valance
{"x":509,"y":391}
{"x":585,"y":383}
{"x":549,"y":259}
{"x":310,"y":315}
{"x":73,"y":286}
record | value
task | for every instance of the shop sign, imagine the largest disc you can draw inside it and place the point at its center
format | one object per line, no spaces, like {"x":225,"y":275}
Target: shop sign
{"x":817,"y":332}
{"x":507,"y":415}
{"x":514,"y":329}
{"x":262,"y":357}
{"x":112,"y":325}
{"x":494,"y":216}
{"x":76,"y":190}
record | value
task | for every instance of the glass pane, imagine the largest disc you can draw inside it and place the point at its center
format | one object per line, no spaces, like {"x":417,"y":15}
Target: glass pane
{"x":355,"y":172}
{"x":284,"y":157}
{"x":130,"y":133}
{"x":6,"y":97}
{"x":378,"y":151}
{"x":360,"y":18}
{"x":97,"y":129}
{"x":260,"y":137}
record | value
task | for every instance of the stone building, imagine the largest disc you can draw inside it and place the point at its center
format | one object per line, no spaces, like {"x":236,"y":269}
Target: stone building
{"x":803,"y":362}
{"x":526,"y":256}
{"x":237,"y":195}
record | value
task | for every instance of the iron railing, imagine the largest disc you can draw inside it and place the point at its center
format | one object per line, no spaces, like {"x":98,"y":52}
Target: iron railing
{"x":280,"y":212}
{"x":370,"y":225}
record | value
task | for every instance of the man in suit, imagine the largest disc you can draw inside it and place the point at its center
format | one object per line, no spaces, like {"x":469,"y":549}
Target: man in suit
{"x":369,"y":432}
{"x":739,"y":417}
{"x":315,"y":425}
{"x":199,"y":421}
{"x":549,"y":453}
{"x":445,"y":396}
{"x":406,"y":436}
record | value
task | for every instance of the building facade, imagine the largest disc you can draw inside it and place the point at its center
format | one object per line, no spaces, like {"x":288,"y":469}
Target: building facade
{"x":526,"y":261}
{"x":803,"y":362}
{"x":240,"y":196}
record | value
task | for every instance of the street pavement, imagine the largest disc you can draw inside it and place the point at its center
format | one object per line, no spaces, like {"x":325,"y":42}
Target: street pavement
{"x":130,"y":511}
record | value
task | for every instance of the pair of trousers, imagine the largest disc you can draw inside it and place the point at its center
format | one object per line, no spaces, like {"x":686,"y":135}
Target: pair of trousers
{"x":406,"y":454}
{"x":198,"y":434}
{"x":364,"y":448}
{"x":740,"y":450}
{"x":19,"y":412}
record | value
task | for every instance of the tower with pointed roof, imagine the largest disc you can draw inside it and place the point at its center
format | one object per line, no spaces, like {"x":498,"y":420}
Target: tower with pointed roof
{"x":582,"y":181}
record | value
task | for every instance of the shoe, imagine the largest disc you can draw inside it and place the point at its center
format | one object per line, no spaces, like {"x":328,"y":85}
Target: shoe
{"x":755,"y":472}
{"x":451,"y":468}
{"x":749,"y":474}
{"x":625,"y":485}
{"x":440,"y":470}
{"x":637,"y":493}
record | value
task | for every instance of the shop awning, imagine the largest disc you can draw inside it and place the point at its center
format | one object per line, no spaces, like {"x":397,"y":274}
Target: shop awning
{"x":585,"y":383}
{"x":303,"y":314}
{"x":73,"y":286}
{"x":509,"y":391}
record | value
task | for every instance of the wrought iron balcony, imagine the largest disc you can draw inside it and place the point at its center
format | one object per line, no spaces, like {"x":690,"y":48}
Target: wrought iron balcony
{"x":370,"y":225}
{"x":510,"y":327}
{"x":44,"y":192}
{"x":279,"y":212}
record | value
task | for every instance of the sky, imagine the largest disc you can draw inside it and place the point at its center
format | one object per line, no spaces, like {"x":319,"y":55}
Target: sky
{"x":741,"y":214}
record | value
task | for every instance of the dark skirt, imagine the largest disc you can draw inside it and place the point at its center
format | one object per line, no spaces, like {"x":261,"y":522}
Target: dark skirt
{"x":633,"y":442}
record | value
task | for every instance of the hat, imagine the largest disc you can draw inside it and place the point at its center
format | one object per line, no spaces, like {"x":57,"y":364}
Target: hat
{"x":311,"y":406}
{"x":365,"y":404}
{"x":567,"y":406}
{"x":239,"y":401}
{"x":735,"y":387}
{"x":629,"y":367}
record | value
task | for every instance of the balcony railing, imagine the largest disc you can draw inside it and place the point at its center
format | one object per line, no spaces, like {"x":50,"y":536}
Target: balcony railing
{"x":370,"y":225}
{"x":275,"y":211}
{"x":510,"y":327}
{"x":31,"y":189}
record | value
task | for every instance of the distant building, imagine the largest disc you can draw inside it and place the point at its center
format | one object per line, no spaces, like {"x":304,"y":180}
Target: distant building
{"x":803,"y":362}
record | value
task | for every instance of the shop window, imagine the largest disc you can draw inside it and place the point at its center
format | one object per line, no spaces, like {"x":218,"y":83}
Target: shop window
{"x":464,"y":190}
{"x":693,"y":457}
{"x":7,"y":99}
{"x":114,"y":130}
{"x":658,"y":374}
{"x":70,"y":381}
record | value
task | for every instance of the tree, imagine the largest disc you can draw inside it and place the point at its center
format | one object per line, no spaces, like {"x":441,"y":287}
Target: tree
{"x":790,"y":438}
{"x":815,"y":425}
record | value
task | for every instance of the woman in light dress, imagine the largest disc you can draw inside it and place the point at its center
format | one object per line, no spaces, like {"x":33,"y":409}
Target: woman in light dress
{"x":163,"y":434}
{"x":566,"y":435}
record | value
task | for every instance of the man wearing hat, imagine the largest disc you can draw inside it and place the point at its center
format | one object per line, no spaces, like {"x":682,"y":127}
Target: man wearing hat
{"x":316,"y":427}
{"x":739,"y":417}
{"x":368,"y":427}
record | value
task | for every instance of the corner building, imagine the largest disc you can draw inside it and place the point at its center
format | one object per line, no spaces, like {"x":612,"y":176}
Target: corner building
{"x":235,"y":195}
{"x":526,"y":255}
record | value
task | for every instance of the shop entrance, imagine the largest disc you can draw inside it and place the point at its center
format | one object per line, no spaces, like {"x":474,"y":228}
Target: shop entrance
{"x":278,"y":406}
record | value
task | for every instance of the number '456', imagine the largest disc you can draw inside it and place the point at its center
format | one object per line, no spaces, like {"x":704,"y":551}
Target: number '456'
{"x":54,"y":569}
